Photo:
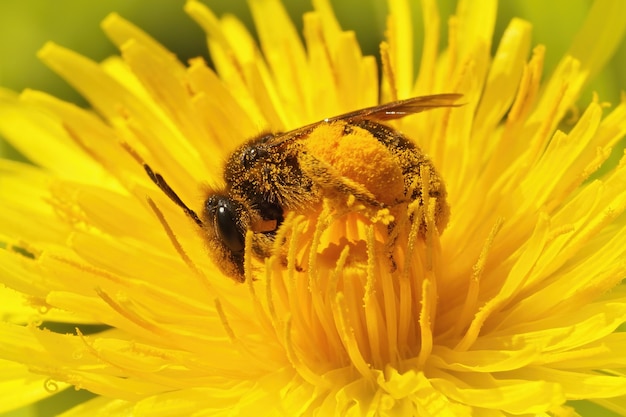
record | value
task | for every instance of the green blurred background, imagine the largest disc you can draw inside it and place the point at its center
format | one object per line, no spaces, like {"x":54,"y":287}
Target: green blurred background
{"x":25,"y":25}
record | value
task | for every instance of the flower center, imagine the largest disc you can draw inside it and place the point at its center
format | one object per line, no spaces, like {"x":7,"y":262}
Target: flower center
{"x":356,"y":290}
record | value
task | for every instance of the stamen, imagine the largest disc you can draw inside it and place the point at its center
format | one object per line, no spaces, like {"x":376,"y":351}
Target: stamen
{"x":520,"y":97}
{"x":453,"y":47}
{"x":324,"y":311}
{"x":51,"y":386}
{"x":431,"y":21}
{"x":82,"y":145}
{"x":128,"y":313}
{"x":575,"y":355}
{"x":475,"y":325}
{"x":560,"y":231}
{"x":412,"y":282}
{"x":346,"y":333}
{"x":258,"y":307}
{"x":225,"y":325}
{"x":528,"y":87}
{"x":389,"y":304}
{"x":237,"y":342}
{"x":415,"y":211}
{"x":429,"y":218}
{"x":94,"y":351}
{"x":270,"y":265}
{"x":389,"y":75}
{"x":371,"y":265}
{"x":304,"y":371}
{"x":425,"y":322}
{"x":440,"y":132}
{"x":373,"y":320}
{"x":511,"y":285}
{"x":88,"y":269}
{"x":294,"y":244}
{"x":322,"y":223}
{"x":247,"y":260}
{"x":132,"y":152}
{"x":177,"y":246}
{"x":281,"y":236}
{"x":64,"y":205}
{"x":406,"y":316}
{"x":322,"y":296}
{"x":542,"y":136}
{"x":471,"y":299}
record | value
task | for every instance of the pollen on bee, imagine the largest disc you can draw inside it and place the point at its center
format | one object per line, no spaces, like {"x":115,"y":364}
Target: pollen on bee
{"x":357,"y":157}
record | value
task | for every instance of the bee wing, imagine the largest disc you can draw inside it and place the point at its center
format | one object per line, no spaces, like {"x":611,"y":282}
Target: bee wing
{"x":387,"y":111}
{"x":401,"y":108}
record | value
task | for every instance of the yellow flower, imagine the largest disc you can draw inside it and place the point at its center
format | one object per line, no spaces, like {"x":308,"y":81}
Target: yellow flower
{"x":512,"y":309}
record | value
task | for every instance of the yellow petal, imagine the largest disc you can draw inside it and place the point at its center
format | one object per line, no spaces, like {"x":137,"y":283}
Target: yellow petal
{"x":19,"y":387}
{"x":592,"y":47}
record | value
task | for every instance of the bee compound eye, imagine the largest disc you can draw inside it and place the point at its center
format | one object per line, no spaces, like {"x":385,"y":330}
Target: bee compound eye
{"x":251,"y":155}
{"x":224,"y":214}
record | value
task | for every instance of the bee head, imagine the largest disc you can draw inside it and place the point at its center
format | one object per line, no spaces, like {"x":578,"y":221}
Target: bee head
{"x":224,"y":215}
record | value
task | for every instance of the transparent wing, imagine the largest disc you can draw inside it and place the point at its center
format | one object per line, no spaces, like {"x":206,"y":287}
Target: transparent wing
{"x":382,"y":112}
{"x":401,"y":108}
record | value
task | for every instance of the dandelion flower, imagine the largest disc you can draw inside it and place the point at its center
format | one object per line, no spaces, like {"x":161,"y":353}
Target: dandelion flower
{"x":512,"y":309}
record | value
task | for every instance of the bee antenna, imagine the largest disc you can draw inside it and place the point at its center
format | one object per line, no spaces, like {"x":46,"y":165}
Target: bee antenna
{"x":164,"y":186}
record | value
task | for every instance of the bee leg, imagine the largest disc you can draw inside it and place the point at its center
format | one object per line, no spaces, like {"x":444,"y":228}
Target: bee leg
{"x":392,"y":238}
{"x":263,"y":246}
{"x":327,"y":177}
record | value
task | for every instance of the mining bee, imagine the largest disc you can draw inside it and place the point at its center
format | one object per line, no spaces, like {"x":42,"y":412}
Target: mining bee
{"x":276,"y":173}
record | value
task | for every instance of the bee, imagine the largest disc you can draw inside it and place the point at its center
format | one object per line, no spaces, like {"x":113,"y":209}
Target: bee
{"x":276,"y":173}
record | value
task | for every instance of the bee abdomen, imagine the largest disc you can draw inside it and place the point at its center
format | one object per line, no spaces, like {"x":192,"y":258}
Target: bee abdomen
{"x":413,"y":161}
